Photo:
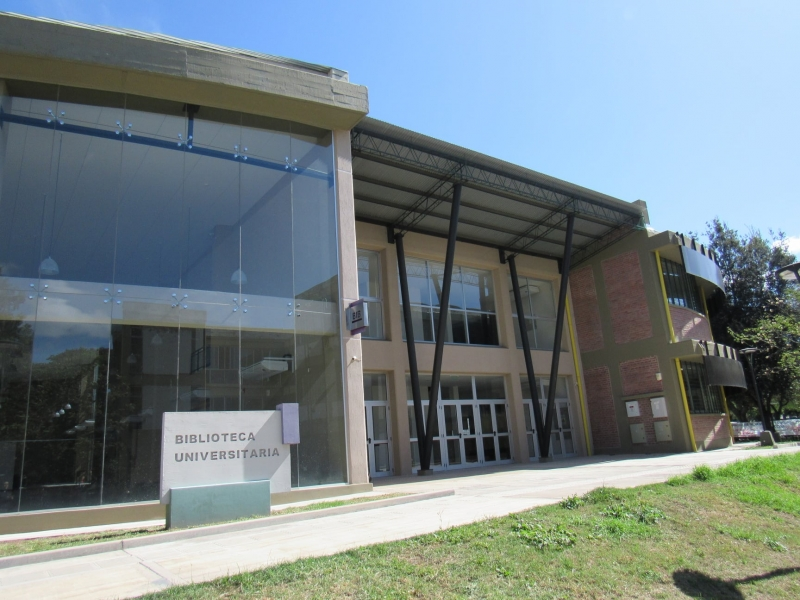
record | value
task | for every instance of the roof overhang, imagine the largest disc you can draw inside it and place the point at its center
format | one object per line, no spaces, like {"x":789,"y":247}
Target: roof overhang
{"x":404,"y":181}
{"x":159,"y":66}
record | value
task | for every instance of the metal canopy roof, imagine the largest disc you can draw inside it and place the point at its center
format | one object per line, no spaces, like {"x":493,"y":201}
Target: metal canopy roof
{"x":404,"y":180}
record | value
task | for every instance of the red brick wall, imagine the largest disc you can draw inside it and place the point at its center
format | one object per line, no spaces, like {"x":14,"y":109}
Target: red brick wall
{"x":689,"y":325}
{"x":587,"y":309}
{"x":646,"y":417}
{"x":639,"y":376}
{"x":627,"y":300}
{"x":711,"y":431}
{"x":600,"y":402}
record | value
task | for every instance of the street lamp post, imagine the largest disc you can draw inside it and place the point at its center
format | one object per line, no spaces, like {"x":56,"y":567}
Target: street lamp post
{"x":748,"y":353}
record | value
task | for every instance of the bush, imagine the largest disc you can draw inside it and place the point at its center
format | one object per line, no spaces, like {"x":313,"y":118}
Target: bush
{"x":702,"y":473}
{"x":571,"y":502}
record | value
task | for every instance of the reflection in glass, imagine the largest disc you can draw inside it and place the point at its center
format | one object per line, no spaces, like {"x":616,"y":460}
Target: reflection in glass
{"x":157,"y":256}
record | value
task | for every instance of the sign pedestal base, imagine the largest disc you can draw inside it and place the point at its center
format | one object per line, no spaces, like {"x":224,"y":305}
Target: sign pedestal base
{"x":203,"y":505}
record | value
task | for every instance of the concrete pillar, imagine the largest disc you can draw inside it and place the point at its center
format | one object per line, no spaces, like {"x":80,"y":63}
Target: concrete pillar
{"x":355,"y":425}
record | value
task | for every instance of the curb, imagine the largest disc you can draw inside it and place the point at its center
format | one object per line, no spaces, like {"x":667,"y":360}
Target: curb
{"x":187,"y":534}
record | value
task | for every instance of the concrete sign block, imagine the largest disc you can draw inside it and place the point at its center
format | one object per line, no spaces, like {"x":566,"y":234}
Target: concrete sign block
{"x":216,"y":503}
{"x":209,"y":448}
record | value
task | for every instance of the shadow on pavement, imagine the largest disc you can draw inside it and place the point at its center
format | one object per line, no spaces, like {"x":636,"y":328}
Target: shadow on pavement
{"x":699,"y":585}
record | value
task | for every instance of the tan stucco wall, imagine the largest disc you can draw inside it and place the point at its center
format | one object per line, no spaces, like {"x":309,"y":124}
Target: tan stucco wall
{"x":390,"y":356}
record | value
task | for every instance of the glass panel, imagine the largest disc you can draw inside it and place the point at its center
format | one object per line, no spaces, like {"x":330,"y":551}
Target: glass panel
{"x":531,"y":446}
{"x":17,"y":312}
{"x":380,"y":429}
{"x":448,"y":330}
{"x":421,"y":322}
{"x":478,"y":289}
{"x":64,"y":439}
{"x":488,"y":449}
{"x":368,"y":282}
{"x":412,"y":423}
{"x":486,"y":419}
{"x":470,"y":450}
{"x":505,"y":447}
{"x":436,"y":277}
{"x":436,"y":454}
{"x":417,"y":271}
{"x":545,"y":334}
{"x":374,"y":386}
{"x":458,"y":327}
{"x":381,"y":458}
{"x":482,"y":329}
{"x":454,"y":452}
{"x":375,"y":329}
{"x":415,"y":455}
{"x":555,"y":440}
{"x":568,"y":447}
{"x":149,"y":235}
{"x":451,"y":420}
{"x":542,"y":301}
{"x":467,"y":419}
{"x":563,"y":410}
{"x":490,"y":388}
{"x":318,"y":350}
{"x":500,"y":416}
{"x":456,"y":387}
{"x":80,"y":214}
{"x":528,"y":421}
{"x":26,"y":157}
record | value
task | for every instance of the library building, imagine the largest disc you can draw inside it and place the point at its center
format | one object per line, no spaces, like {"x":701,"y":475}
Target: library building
{"x":187,"y":227}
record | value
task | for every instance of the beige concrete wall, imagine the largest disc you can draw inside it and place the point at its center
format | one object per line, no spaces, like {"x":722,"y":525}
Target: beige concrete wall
{"x":390,"y":356}
{"x":78,"y":56}
{"x":357,"y":465}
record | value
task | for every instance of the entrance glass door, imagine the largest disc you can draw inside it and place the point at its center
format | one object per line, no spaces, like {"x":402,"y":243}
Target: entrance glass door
{"x":376,"y":407}
{"x":378,"y":449}
{"x":460,"y":434}
{"x":561,"y":434}
{"x":495,"y":442}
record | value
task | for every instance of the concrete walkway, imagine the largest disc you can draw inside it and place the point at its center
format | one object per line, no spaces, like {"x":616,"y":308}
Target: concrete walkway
{"x":479,"y":494}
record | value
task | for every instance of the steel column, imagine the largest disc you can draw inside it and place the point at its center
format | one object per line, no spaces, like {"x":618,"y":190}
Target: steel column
{"x":526,"y":351}
{"x":410,"y":346}
{"x":562,"y":303}
{"x":441,"y":330}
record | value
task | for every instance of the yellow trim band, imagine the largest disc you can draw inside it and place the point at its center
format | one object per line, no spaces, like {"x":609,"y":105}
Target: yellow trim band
{"x":685,"y":403}
{"x":578,"y":380}
{"x":664,"y":296}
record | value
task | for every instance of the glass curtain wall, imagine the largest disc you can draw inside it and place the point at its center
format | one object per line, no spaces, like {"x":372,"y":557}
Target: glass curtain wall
{"x":155,"y":257}
{"x":471,"y":317}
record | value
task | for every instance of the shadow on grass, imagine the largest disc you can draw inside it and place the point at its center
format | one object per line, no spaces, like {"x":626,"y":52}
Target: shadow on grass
{"x":699,"y":585}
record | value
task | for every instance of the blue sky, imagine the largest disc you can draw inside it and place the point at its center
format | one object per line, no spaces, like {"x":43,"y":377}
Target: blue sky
{"x":692,"y":106}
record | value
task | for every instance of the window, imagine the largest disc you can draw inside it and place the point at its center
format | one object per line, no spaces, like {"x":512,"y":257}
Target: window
{"x":702,"y":398}
{"x":471,"y":318}
{"x":369,"y":289}
{"x":681,"y":287}
{"x":538,"y":305}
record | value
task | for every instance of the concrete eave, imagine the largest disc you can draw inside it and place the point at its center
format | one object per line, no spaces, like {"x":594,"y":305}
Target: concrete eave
{"x":67,"y":54}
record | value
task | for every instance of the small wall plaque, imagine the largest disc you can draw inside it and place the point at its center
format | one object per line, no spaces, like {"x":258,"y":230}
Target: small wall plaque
{"x":357,"y":315}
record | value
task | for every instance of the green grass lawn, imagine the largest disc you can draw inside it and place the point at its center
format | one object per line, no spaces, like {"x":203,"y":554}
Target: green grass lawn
{"x":66,"y":541}
{"x":733,"y":533}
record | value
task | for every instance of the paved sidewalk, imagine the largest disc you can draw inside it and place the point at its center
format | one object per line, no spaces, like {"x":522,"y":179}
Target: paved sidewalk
{"x":479,"y":494}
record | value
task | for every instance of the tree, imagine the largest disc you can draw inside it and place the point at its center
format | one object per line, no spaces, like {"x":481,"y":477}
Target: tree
{"x":761,"y":310}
